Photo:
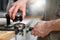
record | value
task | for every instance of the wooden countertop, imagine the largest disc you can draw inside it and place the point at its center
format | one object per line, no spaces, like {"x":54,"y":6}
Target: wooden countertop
{"x":6,"y":35}
{"x":40,"y":17}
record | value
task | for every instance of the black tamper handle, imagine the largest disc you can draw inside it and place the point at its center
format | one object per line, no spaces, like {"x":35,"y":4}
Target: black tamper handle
{"x":18,"y":16}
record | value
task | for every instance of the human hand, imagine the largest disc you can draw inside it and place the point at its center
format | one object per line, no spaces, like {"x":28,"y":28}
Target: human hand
{"x":18,"y":5}
{"x":42,"y":29}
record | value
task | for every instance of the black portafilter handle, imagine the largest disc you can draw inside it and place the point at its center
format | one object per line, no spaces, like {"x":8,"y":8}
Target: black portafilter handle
{"x":18,"y":16}
{"x":8,"y":19}
{"x":30,"y":29}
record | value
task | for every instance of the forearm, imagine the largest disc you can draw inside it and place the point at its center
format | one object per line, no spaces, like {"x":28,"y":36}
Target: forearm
{"x":55,"y":24}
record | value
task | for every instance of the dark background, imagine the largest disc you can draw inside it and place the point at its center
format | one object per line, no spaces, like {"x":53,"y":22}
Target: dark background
{"x":3,"y":4}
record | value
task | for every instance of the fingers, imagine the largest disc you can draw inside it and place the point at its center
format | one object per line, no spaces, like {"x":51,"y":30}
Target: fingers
{"x":35,"y":32}
{"x":14,"y":12}
{"x":11,"y":11}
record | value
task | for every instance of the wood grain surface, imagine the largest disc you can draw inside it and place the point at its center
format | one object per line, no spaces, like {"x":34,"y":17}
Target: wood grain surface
{"x":6,"y":35}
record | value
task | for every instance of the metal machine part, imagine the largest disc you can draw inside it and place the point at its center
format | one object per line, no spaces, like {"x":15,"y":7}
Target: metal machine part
{"x":3,"y":21}
{"x":20,"y":27}
{"x":18,"y":16}
{"x":17,"y":27}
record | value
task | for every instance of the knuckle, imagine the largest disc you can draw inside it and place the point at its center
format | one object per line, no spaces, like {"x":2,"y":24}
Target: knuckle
{"x":42,"y":33}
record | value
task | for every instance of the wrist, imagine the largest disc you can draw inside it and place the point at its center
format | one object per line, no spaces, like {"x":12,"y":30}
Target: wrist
{"x":50,"y":25}
{"x":56,"y":25}
{"x":53,"y":25}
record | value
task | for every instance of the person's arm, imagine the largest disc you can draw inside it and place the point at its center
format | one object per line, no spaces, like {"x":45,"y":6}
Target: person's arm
{"x":56,"y":25}
{"x":43,"y":28}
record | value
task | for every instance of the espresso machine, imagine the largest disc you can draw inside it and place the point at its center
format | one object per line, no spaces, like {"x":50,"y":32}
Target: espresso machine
{"x":18,"y":25}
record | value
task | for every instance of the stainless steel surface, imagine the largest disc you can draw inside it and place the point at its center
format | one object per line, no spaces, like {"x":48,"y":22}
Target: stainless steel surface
{"x":3,"y":21}
{"x":27,"y":36}
{"x":36,"y":7}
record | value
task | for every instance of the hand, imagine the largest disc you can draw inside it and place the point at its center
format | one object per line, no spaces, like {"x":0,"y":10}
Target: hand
{"x":42,"y":29}
{"x":18,"y":5}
